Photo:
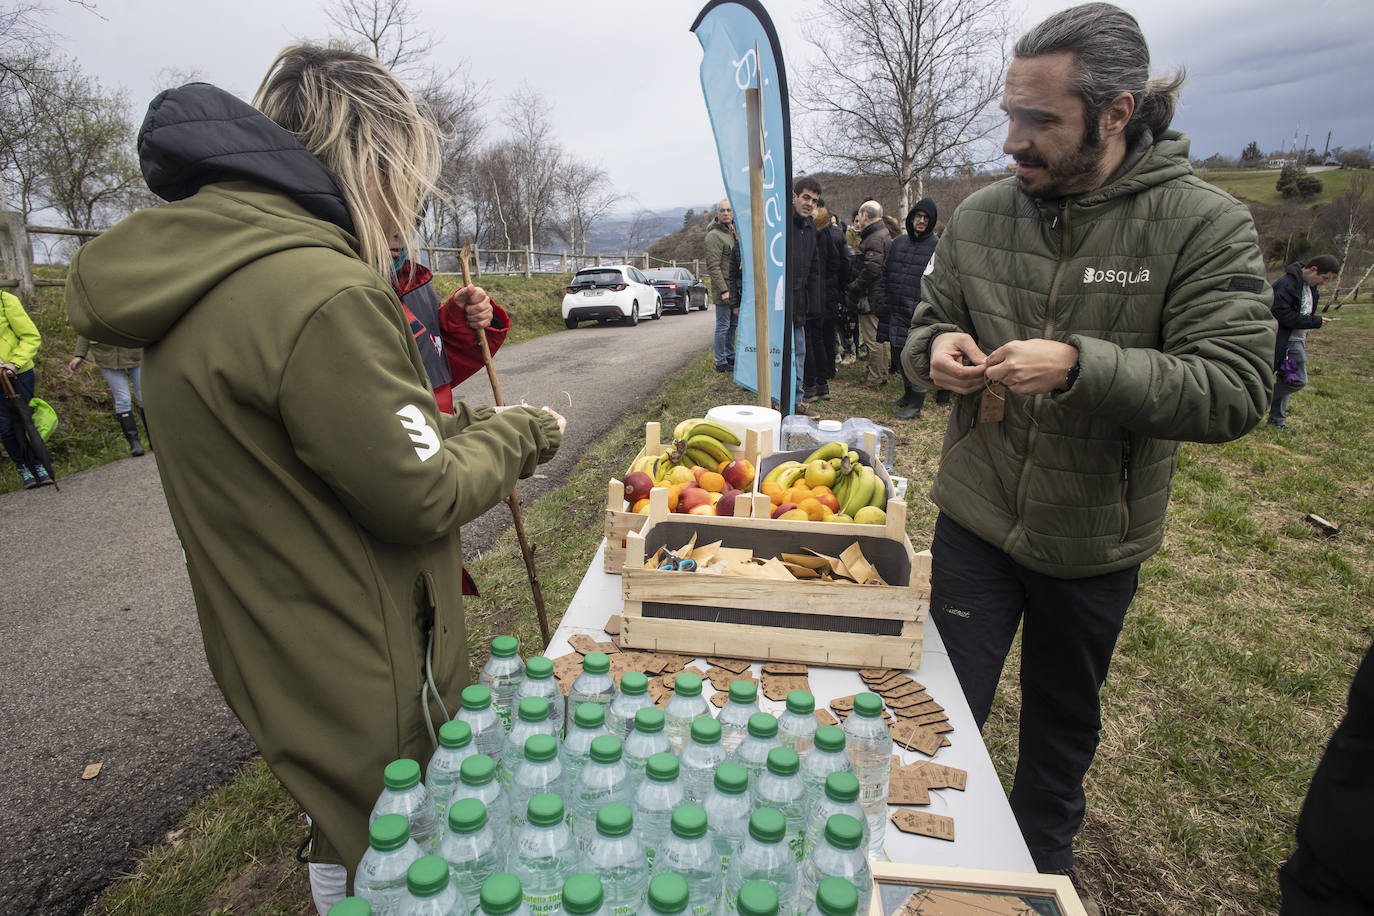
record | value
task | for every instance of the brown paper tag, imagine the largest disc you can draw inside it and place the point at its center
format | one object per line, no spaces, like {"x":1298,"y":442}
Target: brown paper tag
{"x":845,"y":703}
{"x":894,"y":695}
{"x":877,"y":675}
{"x":613,"y":625}
{"x":937,"y":775}
{"x":582,"y":643}
{"x":777,"y":687}
{"x":719,"y":698}
{"x":916,"y":738}
{"x":992,"y":404}
{"x":783,"y":668}
{"x":737,"y":665}
{"x":906,"y":788}
{"x":824,"y":717}
{"x":721,"y":678}
{"x":924,"y":823}
{"x":674,"y":662}
{"x":915,"y":698}
{"x":892,"y":682}
{"x":930,"y":718}
{"x":659,"y":691}
{"x":920,"y":709}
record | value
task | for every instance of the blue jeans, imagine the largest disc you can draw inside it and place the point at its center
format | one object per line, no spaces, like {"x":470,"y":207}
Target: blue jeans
{"x":1278,"y":407}
{"x":119,"y":381}
{"x":727,"y":324}
{"x":799,"y":358}
{"x":23,"y":386}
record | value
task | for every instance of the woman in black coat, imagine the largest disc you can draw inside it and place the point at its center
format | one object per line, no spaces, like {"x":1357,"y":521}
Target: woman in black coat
{"x":906,"y":262}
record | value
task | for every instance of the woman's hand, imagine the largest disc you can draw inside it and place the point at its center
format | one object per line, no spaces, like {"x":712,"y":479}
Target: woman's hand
{"x":562,"y":423}
{"x":475,"y":305}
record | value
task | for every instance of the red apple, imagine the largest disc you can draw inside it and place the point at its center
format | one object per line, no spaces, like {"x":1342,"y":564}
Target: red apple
{"x":739,"y":474}
{"x":637,"y":486}
{"x":726,"y":504}
{"x":785,"y":507}
{"x":691,"y":497}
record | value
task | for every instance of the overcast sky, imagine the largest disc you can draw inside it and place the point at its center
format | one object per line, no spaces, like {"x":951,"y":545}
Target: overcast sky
{"x":621,"y":75}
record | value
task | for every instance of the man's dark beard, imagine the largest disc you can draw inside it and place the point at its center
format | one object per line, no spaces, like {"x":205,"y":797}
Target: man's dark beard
{"x":1067,"y":176}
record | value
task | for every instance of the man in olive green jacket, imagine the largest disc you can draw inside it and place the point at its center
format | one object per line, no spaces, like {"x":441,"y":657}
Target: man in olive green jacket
{"x":720,"y":242}
{"x":1091,"y":313}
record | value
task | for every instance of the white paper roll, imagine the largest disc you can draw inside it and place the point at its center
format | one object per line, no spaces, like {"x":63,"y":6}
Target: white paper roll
{"x":740,"y":417}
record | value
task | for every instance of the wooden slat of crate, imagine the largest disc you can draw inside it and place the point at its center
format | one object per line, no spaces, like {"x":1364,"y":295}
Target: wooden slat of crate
{"x":833,"y":599}
{"x":820,"y":647}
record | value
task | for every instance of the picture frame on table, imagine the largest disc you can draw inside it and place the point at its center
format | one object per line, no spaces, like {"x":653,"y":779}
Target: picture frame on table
{"x":932,"y":890}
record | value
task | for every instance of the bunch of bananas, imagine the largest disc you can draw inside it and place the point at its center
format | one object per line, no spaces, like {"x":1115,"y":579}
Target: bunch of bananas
{"x":854,"y":484}
{"x":696,"y":441}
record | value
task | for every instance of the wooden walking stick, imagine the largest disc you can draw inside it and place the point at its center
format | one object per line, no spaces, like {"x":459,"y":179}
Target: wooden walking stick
{"x":513,"y":500}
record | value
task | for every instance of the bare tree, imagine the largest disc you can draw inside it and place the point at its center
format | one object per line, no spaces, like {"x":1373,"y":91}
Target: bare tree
{"x":1349,"y":218}
{"x":903,"y":87}
{"x":586,"y":196}
{"x":536,"y":159}
{"x":641,"y":232}
{"x":385,"y":29}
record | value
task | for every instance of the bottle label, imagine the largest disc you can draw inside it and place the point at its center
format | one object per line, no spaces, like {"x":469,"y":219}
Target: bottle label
{"x":503,"y":713}
{"x":797,"y":843}
{"x":623,"y":909}
{"x":544,"y":904}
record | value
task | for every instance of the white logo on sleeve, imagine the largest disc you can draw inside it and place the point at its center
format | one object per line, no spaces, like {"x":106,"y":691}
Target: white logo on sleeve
{"x":421,"y":433}
{"x":930,"y":266}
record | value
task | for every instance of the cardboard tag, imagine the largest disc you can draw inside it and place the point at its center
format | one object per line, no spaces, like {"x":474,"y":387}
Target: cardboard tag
{"x":582,"y":643}
{"x":907,"y":695}
{"x":674,"y":662}
{"x":613,"y":625}
{"x":920,"y":709}
{"x":906,"y":788}
{"x":916,"y":738}
{"x":845,"y":703}
{"x":737,"y":665}
{"x":721,"y":679}
{"x":607,"y":647}
{"x":924,"y":823}
{"x":930,"y":718}
{"x":992,"y":404}
{"x":877,"y":675}
{"x":776,"y":687}
{"x":783,"y":668}
{"x":892,"y":682}
{"x":824,"y":717}
{"x":719,"y":699}
{"x":937,"y":775}
{"x":659,"y":692}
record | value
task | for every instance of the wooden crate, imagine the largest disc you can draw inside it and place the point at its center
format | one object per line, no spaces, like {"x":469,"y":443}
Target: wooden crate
{"x":826,"y":623}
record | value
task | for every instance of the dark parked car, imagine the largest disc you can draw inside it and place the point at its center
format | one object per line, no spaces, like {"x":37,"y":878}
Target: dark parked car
{"x":680,"y":290}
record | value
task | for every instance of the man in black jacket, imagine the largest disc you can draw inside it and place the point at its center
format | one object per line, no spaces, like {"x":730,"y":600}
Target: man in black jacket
{"x":806,"y":275}
{"x":906,"y":261}
{"x":865,"y":290}
{"x":1295,"y":307}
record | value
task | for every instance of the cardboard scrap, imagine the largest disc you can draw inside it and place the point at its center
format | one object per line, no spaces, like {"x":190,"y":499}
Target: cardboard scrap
{"x":613,"y":625}
{"x":721,"y":679}
{"x":904,"y":692}
{"x":582,"y":643}
{"x":917,"y":738}
{"x":937,"y":775}
{"x":906,"y":788}
{"x":824,"y":717}
{"x":784,"y":668}
{"x":719,"y":699}
{"x":924,"y":823}
{"x":669,"y":680}
{"x":845,"y":703}
{"x":877,"y":675}
{"x":931,"y":718}
{"x":566,"y":668}
{"x":736,"y":665}
{"x":91,"y":771}
{"x":777,"y":687}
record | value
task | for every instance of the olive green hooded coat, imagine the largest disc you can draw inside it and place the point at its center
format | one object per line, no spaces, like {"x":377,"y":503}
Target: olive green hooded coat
{"x":315,"y":487}
{"x":1157,"y":279}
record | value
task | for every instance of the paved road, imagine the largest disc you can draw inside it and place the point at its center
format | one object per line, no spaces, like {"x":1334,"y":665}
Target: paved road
{"x":100,"y":652}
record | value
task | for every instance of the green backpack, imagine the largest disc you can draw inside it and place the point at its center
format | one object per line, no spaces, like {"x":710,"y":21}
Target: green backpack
{"x":44,"y":417}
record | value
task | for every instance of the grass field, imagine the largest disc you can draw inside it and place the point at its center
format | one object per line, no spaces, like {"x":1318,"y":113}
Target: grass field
{"x":1229,"y":676}
{"x":1258,"y":185}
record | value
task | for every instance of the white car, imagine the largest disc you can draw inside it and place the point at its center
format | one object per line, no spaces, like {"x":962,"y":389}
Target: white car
{"x":610,"y":291}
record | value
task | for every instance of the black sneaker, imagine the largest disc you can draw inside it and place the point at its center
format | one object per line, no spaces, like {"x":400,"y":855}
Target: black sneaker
{"x":1281,"y":426}
{"x":26,"y":478}
{"x":722,"y":367}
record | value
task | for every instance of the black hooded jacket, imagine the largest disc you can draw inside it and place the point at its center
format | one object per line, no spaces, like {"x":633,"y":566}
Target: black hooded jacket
{"x":1287,"y":308}
{"x":906,"y":262}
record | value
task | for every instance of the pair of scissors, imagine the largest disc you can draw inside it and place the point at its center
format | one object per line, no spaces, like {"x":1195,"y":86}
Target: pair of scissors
{"x":677,"y":564}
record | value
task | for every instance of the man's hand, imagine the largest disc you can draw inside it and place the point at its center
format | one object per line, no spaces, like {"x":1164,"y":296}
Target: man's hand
{"x":725,"y":296}
{"x":74,"y":363}
{"x":1031,"y":367}
{"x":947,"y":354}
{"x":475,"y":305}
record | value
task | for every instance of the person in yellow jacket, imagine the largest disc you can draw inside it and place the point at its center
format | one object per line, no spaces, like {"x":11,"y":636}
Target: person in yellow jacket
{"x":19,"y":341}
{"x":122,"y":369}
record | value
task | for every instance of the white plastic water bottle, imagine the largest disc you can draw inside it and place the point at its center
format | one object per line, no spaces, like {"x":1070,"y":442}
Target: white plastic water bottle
{"x":683,"y":708}
{"x":539,"y":682}
{"x":646,"y":739}
{"x":469,"y":847}
{"x":668,"y":895}
{"x":532,"y":718}
{"x":351,"y":906}
{"x":502,"y":896}
{"x":602,"y":781}
{"x":827,"y":756}
{"x":585,"y":726}
{"x":689,"y":852}
{"x":742,"y":703}
{"x":727,"y":807}
{"x":477,"y":779}
{"x":835,"y":897}
{"x":614,"y":855}
{"x":763,"y":856}
{"x":752,"y":754}
{"x":441,"y":775}
{"x":869,"y":746}
{"x":404,"y":794}
{"x":780,"y":787}
{"x":655,"y":798}
{"x":583,"y":896}
{"x":759,"y":898}
{"x":699,"y":758}
{"x":633,"y":696}
{"x":430,"y":891}
{"x":594,"y":684}
{"x":487,"y":734}
{"x":797,"y":724}
{"x":503,"y":673}
{"x":840,"y":796}
{"x":840,"y":855}
{"x":381,"y":875}
{"x":539,"y":772}
{"x":544,"y":854}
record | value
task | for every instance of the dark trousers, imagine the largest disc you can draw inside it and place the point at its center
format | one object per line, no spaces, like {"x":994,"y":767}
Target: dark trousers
{"x":817,"y":354}
{"x":1069,"y":627}
{"x":9,"y":436}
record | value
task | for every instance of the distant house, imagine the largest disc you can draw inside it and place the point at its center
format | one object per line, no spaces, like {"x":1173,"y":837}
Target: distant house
{"x":1277,"y":163}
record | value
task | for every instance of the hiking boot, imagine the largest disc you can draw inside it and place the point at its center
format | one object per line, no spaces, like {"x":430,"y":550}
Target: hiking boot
{"x":1280,"y":425}
{"x":41,"y":474}
{"x":130,"y":427}
{"x":908,"y":412}
{"x":26,"y":478}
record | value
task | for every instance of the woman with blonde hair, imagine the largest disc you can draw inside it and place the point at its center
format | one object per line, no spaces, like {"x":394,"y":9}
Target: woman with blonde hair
{"x":315,"y":487}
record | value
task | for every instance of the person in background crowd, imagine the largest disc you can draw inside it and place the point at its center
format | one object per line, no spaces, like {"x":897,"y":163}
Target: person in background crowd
{"x":1057,"y":463}
{"x":317,"y":490}
{"x":820,"y":336}
{"x":19,"y":342}
{"x":865,"y":291}
{"x":806,"y":275}
{"x":849,"y":319}
{"x":121,"y":368}
{"x":832,"y":291}
{"x":1295,"y":307}
{"x":721,"y":245}
{"x":907,"y":258}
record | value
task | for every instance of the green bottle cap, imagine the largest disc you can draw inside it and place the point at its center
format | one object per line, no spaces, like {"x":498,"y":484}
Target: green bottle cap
{"x":661,"y":767}
{"x":837,"y":897}
{"x":705,"y":730}
{"x":476,"y":696}
{"x":767,"y":825}
{"x":351,"y":906}
{"x":668,"y":893}
{"x":538,"y":668}
{"x":477,"y":770}
{"x":763,"y":725}
{"x":455,"y":733}
{"x":758,"y":898}
{"x":842,"y":786}
{"x":746,"y":692}
{"x":614,"y":819}
{"x":388,"y":832}
{"x":843,"y":831}
{"x":689,"y":821}
{"x":505,"y":646}
{"x":649,"y":719}
{"x":533,"y":709}
{"x":402,"y":774}
{"x":590,"y":715}
{"x":582,"y":894}
{"x":783,"y":761}
{"x":687,"y":685}
{"x":830,"y":738}
{"x":634,"y":683}
{"x":427,"y":876}
{"x":731,"y":779}
{"x":801,"y":702}
{"x":868,"y":705}
{"x":596,"y":663}
{"x":545,"y":810}
{"x":606,"y":749}
{"x":467,"y":815}
{"x":541,"y":748}
{"x":501,"y":894}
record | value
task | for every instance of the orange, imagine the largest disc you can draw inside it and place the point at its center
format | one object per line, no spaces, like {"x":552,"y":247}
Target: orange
{"x":713,"y":481}
{"x":796,"y":493}
{"x":674,"y":490}
{"x":642,"y":506}
{"x":812,"y":507}
{"x":773,"y":490}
